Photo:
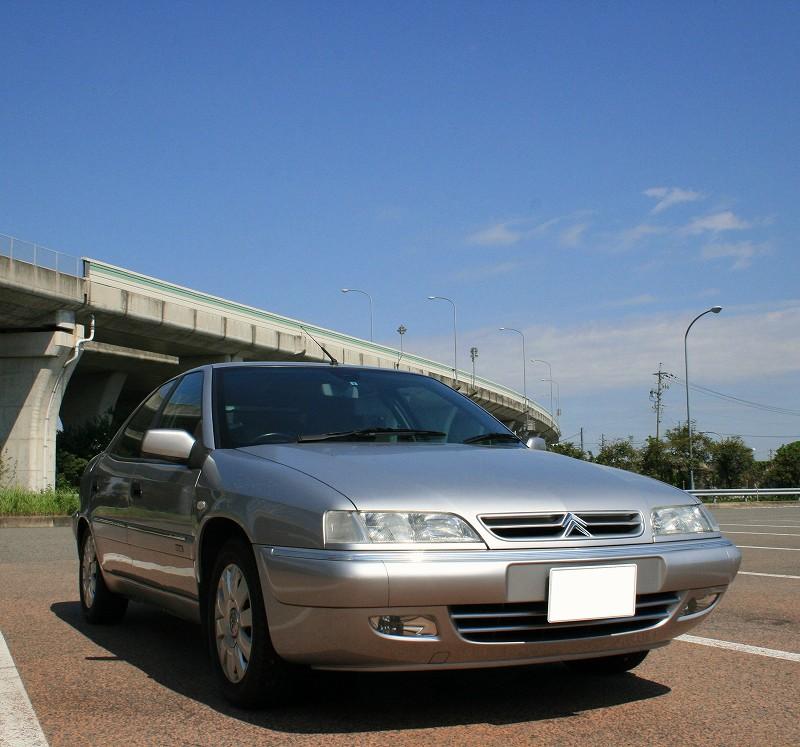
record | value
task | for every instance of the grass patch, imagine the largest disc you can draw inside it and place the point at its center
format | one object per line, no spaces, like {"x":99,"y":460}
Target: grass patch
{"x":19,"y":502}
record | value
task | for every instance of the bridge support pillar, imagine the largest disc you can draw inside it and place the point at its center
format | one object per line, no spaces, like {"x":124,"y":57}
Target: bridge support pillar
{"x":33,"y":378}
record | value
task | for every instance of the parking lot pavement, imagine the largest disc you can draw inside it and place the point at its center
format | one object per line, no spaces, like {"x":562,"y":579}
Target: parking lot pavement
{"x":147,"y":681}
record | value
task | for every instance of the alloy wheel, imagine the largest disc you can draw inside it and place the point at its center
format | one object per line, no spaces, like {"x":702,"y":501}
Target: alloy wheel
{"x":233,"y":623}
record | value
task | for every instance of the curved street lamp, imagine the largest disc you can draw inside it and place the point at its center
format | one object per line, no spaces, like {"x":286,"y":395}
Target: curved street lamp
{"x":455,"y":332}
{"x":557,"y":414}
{"x":550,"y":374}
{"x":356,"y":290}
{"x":712,"y":310}
{"x":524,"y":369}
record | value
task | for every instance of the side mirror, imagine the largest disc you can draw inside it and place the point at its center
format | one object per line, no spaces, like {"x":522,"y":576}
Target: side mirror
{"x":167,"y":443}
{"x":537,"y":443}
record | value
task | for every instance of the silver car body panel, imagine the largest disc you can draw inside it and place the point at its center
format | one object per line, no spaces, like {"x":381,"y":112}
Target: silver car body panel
{"x":319,"y":600}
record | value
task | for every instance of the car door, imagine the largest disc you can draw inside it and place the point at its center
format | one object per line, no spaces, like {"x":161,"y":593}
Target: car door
{"x":111,"y":482}
{"x":162,"y":518}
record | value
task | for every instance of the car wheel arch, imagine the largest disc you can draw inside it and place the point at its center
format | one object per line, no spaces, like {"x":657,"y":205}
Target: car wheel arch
{"x":215,"y":532}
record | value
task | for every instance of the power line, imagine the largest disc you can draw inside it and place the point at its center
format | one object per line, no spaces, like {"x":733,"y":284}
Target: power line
{"x":738,"y":400}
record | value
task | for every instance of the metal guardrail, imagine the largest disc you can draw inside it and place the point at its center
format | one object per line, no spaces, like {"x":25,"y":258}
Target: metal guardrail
{"x":746,"y":494}
{"x":40,"y":256}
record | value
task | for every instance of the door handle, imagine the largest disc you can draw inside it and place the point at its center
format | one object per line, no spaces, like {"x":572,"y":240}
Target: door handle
{"x":95,"y":488}
{"x":136,"y":489}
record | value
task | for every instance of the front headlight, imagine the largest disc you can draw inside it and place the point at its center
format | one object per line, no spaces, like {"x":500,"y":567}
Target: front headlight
{"x":683,"y":520}
{"x":385,"y":527}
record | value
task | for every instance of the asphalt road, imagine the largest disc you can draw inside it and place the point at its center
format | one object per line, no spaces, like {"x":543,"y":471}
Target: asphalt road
{"x":147,"y":681}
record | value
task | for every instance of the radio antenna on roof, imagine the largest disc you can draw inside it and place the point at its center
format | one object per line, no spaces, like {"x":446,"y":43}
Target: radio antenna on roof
{"x":333,"y":360}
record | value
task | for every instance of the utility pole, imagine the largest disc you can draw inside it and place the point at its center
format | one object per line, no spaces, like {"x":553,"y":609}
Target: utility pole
{"x":602,"y":441}
{"x":473,"y":353}
{"x":581,"y":439}
{"x":656,"y":397}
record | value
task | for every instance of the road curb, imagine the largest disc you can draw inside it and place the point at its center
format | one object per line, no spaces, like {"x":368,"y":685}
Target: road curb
{"x":28,"y":522}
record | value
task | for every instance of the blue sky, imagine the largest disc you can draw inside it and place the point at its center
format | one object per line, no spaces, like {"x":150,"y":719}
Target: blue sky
{"x":594,"y":174}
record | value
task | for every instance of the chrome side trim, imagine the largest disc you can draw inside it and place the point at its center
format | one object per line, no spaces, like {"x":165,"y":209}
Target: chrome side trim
{"x":158,"y":532}
{"x":109,"y":522}
{"x":579,"y":554}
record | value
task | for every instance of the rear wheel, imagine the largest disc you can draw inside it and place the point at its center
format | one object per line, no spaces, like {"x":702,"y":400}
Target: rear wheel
{"x":616,"y":664}
{"x":250,"y":672}
{"x":100,"y":606}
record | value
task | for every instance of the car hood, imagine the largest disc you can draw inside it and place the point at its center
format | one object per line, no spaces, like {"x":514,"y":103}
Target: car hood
{"x":469,"y":480}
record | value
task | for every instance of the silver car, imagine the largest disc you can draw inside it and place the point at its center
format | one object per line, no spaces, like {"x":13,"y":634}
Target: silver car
{"x":340,"y":517}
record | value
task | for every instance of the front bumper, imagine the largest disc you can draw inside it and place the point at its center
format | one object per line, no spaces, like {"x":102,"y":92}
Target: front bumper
{"x":319,"y":601}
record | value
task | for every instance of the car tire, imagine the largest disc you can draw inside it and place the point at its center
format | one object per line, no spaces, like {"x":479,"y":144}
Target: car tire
{"x":250,"y":672}
{"x":99,"y":605}
{"x":617,"y":664}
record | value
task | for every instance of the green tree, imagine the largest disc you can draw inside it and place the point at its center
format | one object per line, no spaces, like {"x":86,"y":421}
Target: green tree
{"x":731,"y":462}
{"x":568,"y":449}
{"x":784,"y":469}
{"x":677,"y":444}
{"x":620,"y":453}
{"x":656,"y":460}
{"x":77,"y":444}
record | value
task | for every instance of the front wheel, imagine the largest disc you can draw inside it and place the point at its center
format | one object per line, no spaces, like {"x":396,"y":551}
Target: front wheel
{"x":250,"y":672}
{"x":616,"y":664}
{"x":100,"y":606}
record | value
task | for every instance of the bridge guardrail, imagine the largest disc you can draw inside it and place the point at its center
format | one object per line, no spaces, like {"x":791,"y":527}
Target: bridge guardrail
{"x":746,"y":494}
{"x":40,"y":256}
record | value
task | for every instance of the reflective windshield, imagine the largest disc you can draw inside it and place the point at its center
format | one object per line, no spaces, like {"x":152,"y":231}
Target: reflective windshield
{"x":279,"y":404}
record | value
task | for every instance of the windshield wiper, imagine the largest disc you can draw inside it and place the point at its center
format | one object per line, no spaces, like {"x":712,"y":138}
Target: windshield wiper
{"x":491,"y":437}
{"x":368,"y":432}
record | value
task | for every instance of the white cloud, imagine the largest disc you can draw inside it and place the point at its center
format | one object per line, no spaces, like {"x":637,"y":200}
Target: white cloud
{"x":642,"y":231}
{"x":572,"y":236}
{"x":716,"y":223}
{"x":669,"y":196}
{"x":742,"y":252}
{"x":510,"y":232}
{"x":500,"y":234}
{"x":740,"y":344}
{"x":640,"y":300}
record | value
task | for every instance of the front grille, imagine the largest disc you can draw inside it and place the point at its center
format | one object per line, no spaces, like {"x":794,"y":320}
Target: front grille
{"x":564,"y":525}
{"x":526,"y":622}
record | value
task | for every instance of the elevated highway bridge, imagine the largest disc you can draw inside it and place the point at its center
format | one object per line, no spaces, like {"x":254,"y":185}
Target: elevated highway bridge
{"x":145,"y":331}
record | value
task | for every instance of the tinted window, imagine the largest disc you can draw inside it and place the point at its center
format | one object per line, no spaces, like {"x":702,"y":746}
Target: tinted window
{"x":185,"y":407}
{"x":129,"y":442}
{"x":262,"y":404}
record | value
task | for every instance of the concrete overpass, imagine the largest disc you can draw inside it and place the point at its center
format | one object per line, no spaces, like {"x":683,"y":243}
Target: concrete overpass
{"x":147,"y":330}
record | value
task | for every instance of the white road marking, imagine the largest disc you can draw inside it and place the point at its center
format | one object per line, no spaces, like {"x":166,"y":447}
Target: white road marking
{"x":771,"y":575}
{"x":741,"y":647}
{"x":19,"y":726}
{"x":758,"y":547}
{"x":768,"y":534}
{"x":772,"y":526}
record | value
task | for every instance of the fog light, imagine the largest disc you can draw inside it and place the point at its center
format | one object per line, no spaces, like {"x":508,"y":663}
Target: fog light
{"x":415,"y":626}
{"x":699,"y":604}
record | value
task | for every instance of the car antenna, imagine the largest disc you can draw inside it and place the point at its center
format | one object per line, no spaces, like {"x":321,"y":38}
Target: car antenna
{"x":333,"y":360}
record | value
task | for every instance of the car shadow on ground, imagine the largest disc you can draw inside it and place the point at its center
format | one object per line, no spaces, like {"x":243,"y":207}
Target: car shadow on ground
{"x":172,"y":652}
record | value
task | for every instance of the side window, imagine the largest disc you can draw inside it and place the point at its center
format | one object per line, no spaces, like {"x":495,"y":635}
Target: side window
{"x":128,"y":444}
{"x":185,"y":407}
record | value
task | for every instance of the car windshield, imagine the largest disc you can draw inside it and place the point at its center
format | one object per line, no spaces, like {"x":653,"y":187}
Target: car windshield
{"x":282,"y":404}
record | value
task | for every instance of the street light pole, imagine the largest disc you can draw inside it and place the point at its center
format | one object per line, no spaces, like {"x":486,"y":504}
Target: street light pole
{"x":712,"y":310}
{"x":550,"y":374}
{"x":455,"y":332}
{"x":356,"y":290}
{"x":557,"y":413}
{"x":524,"y":369}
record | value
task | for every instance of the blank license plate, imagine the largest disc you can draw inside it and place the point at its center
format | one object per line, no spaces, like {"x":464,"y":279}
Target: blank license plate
{"x":595,"y":593}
